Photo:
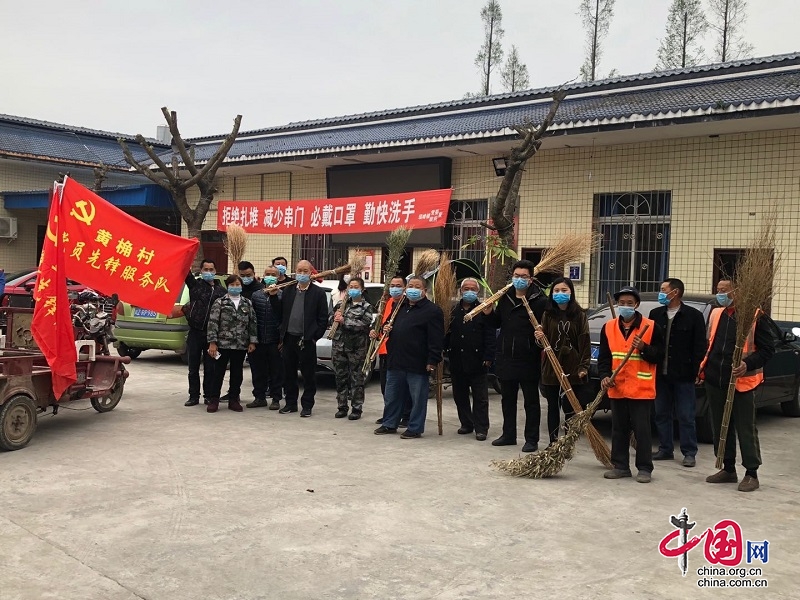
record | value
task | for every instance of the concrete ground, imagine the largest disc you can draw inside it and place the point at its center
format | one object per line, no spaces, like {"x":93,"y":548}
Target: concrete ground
{"x":158,"y":501}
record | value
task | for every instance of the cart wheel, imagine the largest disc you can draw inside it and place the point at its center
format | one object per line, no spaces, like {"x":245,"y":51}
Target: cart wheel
{"x":109,"y":402}
{"x":17,"y":422}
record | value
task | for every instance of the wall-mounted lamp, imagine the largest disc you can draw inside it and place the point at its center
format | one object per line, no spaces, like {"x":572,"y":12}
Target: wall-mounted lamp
{"x":500,"y":165}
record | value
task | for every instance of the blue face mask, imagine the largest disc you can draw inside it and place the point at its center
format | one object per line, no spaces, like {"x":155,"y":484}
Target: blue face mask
{"x":626,"y":312}
{"x":354,"y":293}
{"x":395,"y":292}
{"x":302,"y":278}
{"x":662,"y":298}
{"x":561,"y":297}
{"x":270,"y":280}
{"x":234,"y":290}
{"x":469,"y":297}
{"x":207,"y":276}
{"x":723,"y":300}
{"x":281,"y":269}
{"x":413,"y":294}
{"x":520,"y":283}
{"x":247,"y":280}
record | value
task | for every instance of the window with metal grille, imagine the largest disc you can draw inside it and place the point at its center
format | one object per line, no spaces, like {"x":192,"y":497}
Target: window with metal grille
{"x":464,"y":225}
{"x":634,"y":230}
{"x":320,"y":252}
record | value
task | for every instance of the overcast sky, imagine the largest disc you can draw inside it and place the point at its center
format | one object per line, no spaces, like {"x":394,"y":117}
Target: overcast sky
{"x":112,"y":64}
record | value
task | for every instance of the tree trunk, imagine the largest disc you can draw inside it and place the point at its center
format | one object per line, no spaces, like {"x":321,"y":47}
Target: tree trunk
{"x":193,"y":228}
{"x":503,"y":219}
{"x":594,"y":39}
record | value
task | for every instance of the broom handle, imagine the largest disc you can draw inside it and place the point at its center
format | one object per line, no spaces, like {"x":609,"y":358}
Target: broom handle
{"x":335,"y":325}
{"x":726,"y":414}
{"x":486,"y":303}
{"x":384,"y":335}
{"x":611,"y":305}
{"x":439,"y":378}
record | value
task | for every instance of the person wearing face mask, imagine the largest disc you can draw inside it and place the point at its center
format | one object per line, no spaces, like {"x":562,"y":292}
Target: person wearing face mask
{"x":281,"y":264}
{"x":303,"y":311}
{"x":349,"y":349}
{"x":414,"y":350}
{"x":685,"y":345}
{"x":633,"y":391}
{"x":470,"y":347}
{"x":266,"y":366}
{"x":565,"y":326}
{"x":250,"y":282}
{"x":716,"y":370}
{"x":518,"y":360}
{"x":232,"y":333}
{"x":202,"y":294}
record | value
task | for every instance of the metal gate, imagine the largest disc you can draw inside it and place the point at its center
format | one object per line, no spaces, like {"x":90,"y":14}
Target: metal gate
{"x":319,"y":251}
{"x":634,"y":230}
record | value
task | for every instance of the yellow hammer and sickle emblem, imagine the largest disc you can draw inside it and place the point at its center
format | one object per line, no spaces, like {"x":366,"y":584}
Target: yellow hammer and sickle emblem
{"x":50,"y":235}
{"x":85,"y":216}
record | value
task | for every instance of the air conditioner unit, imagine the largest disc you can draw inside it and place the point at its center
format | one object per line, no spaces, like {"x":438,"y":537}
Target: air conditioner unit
{"x":8,"y":227}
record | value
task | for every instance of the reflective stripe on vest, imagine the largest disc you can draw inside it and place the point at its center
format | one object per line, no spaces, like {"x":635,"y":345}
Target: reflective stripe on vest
{"x":636,"y":380}
{"x":745,"y":383}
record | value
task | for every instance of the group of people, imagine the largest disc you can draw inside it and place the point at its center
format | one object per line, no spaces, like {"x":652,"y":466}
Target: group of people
{"x":275,"y":323}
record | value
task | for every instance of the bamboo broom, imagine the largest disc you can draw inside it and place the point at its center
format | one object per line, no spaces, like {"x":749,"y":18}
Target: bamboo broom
{"x":753,"y":285}
{"x":427,"y":263}
{"x":486,"y":303}
{"x":550,"y":461}
{"x":598,"y":444}
{"x":235,"y":243}
{"x":356,"y":265}
{"x":384,"y":334}
{"x":443,"y":288}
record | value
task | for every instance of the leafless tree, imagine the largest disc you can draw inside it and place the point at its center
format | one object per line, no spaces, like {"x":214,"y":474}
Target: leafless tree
{"x":727,"y":20}
{"x":681,"y":46}
{"x":515,"y":72}
{"x":596,"y":15}
{"x":171,"y":179}
{"x":491,"y":53}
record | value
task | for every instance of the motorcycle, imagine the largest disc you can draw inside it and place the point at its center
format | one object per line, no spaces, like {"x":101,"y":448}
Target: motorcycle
{"x":92,"y":319}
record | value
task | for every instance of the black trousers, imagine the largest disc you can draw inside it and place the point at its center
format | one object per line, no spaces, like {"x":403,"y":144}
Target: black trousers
{"x":533,"y":411}
{"x":741,"y":425}
{"x":626,"y":416}
{"x":383,"y":365}
{"x":236,"y":360}
{"x":476,"y":417}
{"x":266,"y":367}
{"x":556,"y":403}
{"x":304,"y":360}
{"x":196,"y":350}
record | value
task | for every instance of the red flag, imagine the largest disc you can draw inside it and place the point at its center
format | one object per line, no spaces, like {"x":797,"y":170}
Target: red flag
{"x":113,"y":252}
{"x":52,"y":322}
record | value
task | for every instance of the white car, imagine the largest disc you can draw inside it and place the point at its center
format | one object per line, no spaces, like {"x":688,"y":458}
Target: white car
{"x":372,"y":293}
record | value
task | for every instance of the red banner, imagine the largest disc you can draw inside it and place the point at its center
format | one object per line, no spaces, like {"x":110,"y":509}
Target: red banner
{"x":361,"y":214}
{"x":52,"y":321}
{"x":113,"y":252}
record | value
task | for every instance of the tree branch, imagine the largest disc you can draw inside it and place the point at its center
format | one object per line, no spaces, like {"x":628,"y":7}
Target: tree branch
{"x":142,"y":170}
{"x":171,"y":118}
{"x":216,"y":159}
{"x":158,"y":162}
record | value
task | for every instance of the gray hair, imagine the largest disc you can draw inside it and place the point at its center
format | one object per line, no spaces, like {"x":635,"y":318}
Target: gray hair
{"x":470,"y":279}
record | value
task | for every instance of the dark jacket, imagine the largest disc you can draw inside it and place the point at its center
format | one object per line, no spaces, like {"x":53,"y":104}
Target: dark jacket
{"x":686,"y":346}
{"x":652,"y":352}
{"x":570,"y":341}
{"x":249,"y":290}
{"x":268,"y":322}
{"x":416,"y":338}
{"x":518,"y":356}
{"x":315,"y":310}
{"x":717,"y":370}
{"x":471,"y":344}
{"x":201,"y":296}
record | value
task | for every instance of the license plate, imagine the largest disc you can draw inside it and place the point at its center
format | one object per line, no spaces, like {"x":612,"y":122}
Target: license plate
{"x":595,"y":352}
{"x":143,"y":312}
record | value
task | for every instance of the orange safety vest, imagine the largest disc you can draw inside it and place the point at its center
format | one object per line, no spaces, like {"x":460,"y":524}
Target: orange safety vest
{"x":387,"y":312}
{"x":637,"y":379}
{"x":753,"y":379}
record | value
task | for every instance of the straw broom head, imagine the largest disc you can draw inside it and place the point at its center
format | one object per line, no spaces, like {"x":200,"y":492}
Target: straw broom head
{"x":569,"y":248}
{"x":444,"y":287}
{"x":357,"y":262}
{"x":235,"y":243}
{"x":427,"y":262}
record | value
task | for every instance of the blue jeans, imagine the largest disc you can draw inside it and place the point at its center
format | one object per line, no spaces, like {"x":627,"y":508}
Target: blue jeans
{"x":680,"y":396}
{"x":399,"y":384}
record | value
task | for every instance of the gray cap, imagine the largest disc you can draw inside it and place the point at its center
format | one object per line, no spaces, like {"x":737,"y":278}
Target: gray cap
{"x":628,"y":289}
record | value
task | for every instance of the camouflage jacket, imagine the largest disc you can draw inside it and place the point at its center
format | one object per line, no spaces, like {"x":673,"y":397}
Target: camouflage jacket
{"x":230,"y":327}
{"x":357,"y":318}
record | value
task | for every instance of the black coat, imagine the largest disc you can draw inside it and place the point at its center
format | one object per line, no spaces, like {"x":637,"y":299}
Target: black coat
{"x":416,"y":338}
{"x":268,"y":322}
{"x":518,"y":356}
{"x":315,"y":310}
{"x":687,"y":342}
{"x":201,"y":296}
{"x":471,"y":344}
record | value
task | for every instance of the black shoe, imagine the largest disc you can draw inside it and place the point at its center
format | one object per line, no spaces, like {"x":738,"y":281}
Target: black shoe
{"x":306,"y":412}
{"x":465,"y":430}
{"x":689,"y":461}
{"x":257,"y":403}
{"x":225,"y":398}
{"x":530,"y":447}
{"x":287,"y":409}
{"x":504,"y":441}
{"x":408,"y":435}
{"x":378,"y":421}
{"x":404,"y":422}
{"x":192,"y":402}
{"x":481,"y":437}
{"x":354,"y":416}
{"x":340,"y":414}
{"x":206,"y":401}
{"x":384,"y":430}
{"x":661,"y":455}
{"x":275,"y":405}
